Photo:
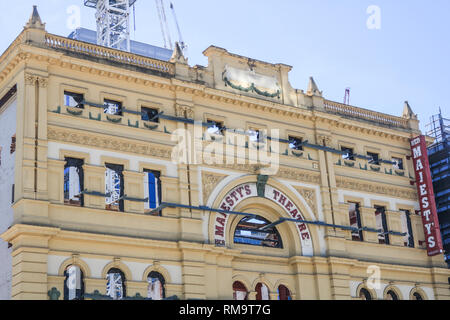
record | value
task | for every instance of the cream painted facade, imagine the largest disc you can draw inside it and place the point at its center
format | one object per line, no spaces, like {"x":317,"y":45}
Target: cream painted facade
{"x":322,"y":262}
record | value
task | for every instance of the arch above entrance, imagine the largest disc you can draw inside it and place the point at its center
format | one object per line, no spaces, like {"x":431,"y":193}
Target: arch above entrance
{"x":250,"y":190}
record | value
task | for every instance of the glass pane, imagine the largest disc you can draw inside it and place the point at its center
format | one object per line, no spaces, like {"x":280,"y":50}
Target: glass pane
{"x":249,"y":231}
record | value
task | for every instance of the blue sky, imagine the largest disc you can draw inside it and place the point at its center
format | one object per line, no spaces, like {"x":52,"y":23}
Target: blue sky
{"x":408,"y":58}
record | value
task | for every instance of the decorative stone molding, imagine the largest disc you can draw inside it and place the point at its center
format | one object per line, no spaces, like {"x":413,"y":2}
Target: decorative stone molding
{"x":209,"y":182}
{"x":298,"y":175}
{"x":183,"y":111}
{"x":107,"y":142}
{"x":30,"y":79}
{"x":324,"y":138}
{"x":310,"y":197}
{"x":371,"y":187}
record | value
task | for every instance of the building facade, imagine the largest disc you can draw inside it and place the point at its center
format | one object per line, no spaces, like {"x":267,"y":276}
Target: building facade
{"x":439,"y":157}
{"x":112,"y":183}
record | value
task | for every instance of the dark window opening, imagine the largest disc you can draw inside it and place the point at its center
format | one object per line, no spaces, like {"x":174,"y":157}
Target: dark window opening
{"x":284,"y":293}
{"x":73,"y":283}
{"x":295,"y":143}
{"x":374,"y":158}
{"x":115,"y":284}
{"x":398,"y":163}
{"x":156,"y":286}
{"x":152,"y":191}
{"x":74,"y":100}
{"x":364,"y":294}
{"x":249,"y":232}
{"x":417,"y":296}
{"x":355,"y":221}
{"x":114,"y":187}
{"x":262,"y":292}
{"x":408,"y":239}
{"x":255,"y":135}
{"x":239,"y":291}
{"x":215,"y":127}
{"x":347,"y":153}
{"x":149,"y":114}
{"x":391,"y":295}
{"x":13,"y":144}
{"x":113,"y":107}
{"x":380,"y":217}
{"x":73,"y":182}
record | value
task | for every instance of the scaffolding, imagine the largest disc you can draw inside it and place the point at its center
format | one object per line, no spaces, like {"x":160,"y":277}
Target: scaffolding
{"x":113,"y":22}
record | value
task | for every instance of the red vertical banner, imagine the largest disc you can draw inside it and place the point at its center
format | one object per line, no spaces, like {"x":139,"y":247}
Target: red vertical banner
{"x":426,"y":196}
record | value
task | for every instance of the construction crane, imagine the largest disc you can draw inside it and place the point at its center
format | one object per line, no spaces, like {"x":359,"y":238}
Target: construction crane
{"x":113,"y":22}
{"x":164,"y":25}
{"x":183,"y":45}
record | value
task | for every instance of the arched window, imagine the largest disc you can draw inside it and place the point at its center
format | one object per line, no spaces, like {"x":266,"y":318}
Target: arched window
{"x":239,"y":291}
{"x":262,"y":292}
{"x":115,"y":286}
{"x":252,"y":231}
{"x":391,"y":295}
{"x":417,"y":296}
{"x":364,"y":294}
{"x":73,"y":283}
{"x":284,"y":293}
{"x":156,"y":289}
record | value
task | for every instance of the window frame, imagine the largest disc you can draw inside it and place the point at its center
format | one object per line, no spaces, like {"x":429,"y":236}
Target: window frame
{"x":384,"y":225}
{"x":358,"y":221}
{"x":66,"y":93}
{"x":155,"y":111}
{"x":275,"y":232}
{"x":79,"y":295}
{"x":78,"y":164}
{"x":118,"y":168}
{"x":106,"y":106}
{"x":300,"y":140}
{"x":122,"y":275}
{"x":157,"y":175}
{"x":351,"y":156}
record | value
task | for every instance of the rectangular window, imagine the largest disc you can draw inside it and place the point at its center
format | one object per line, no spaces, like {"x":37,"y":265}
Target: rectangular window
{"x":408,"y":240}
{"x":152,"y":191}
{"x":114,"y":187}
{"x":255,"y":135}
{"x":113,"y":107}
{"x":149,"y":114}
{"x":73,"y":182}
{"x":398,"y":163}
{"x":13,"y":144}
{"x":215,"y":127}
{"x":295,"y":143}
{"x":74,"y":100}
{"x":355,"y":221}
{"x":374,"y":158}
{"x":347,"y":153}
{"x":380,"y":217}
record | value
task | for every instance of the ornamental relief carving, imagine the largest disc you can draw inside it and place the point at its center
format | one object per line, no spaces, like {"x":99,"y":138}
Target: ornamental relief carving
{"x":108,"y":143}
{"x":184,"y":111}
{"x":209,"y":182}
{"x":376,"y":188}
{"x":310,"y":197}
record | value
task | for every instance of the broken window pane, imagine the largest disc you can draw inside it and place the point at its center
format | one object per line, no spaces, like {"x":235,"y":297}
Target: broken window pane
{"x":152,"y":190}
{"x":355,"y":221}
{"x":408,"y":239}
{"x":398,"y":163}
{"x":73,"y":284}
{"x":295,"y":143}
{"x":374,"y":158}
{"x":73,"y":182}
{"x":74,"y":100}
{"x":113,"y":107}
{"x":156,"y":290}
{"x":149,"y":114}
{"x":249,"y":231}
{"x":114,"y":187}
{"x":115,"y":285}
{"x":380,"y":217}
{"x":348,"y":153}
{"x":215,"y":127}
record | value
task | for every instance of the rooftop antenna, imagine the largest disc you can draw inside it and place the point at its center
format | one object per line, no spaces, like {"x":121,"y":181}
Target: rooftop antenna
{"x":113,"y":22}
{"x":347,"y":96}
{"x":164,"y":25}
{"x":183,"y":45}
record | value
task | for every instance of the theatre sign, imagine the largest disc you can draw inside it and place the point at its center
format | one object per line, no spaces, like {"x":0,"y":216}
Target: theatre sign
{"x":426,"y":196}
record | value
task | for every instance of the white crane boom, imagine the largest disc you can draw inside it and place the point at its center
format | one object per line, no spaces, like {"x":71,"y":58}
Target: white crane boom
{"x":183,"y":45}
{"x":164,"y":25}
